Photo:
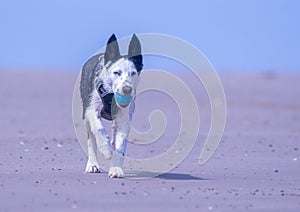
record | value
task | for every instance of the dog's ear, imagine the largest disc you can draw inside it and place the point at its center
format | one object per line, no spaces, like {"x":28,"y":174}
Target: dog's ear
{"x":112,"y":51}
{"x":135,"y":53}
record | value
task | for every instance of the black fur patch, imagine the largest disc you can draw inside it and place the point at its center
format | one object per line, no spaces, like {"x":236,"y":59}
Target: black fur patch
{"x":106,"y":98}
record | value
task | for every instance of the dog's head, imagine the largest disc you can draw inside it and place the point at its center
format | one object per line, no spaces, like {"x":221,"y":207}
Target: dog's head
{"x":124,"y":70}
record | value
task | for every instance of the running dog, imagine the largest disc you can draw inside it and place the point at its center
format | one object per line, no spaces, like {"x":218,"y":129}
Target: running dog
{"x":108,"y":87}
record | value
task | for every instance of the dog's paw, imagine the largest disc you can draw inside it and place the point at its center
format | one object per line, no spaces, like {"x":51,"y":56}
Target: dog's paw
{"x":115,"y":172}
{"x":92,"y":167}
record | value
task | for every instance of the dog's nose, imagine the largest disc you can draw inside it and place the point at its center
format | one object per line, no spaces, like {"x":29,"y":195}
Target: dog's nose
{"x":127,"y":89}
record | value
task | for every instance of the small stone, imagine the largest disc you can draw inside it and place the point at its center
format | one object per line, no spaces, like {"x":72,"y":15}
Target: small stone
{"x":74,"y":205}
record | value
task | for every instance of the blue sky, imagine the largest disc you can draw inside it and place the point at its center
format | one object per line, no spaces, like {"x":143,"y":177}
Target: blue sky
{"x":236,"y":35}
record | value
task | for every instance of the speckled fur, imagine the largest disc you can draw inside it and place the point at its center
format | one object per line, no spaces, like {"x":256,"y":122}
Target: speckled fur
{"x":114,"y":72}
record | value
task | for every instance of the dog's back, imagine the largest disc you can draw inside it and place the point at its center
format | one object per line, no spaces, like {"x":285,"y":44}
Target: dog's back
{"x":87,"y":82}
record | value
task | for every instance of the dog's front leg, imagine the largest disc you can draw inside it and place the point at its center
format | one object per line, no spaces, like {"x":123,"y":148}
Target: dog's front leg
{"x":92,"y":165}
{"x":120,"y":130}
{"x":97,"y":139}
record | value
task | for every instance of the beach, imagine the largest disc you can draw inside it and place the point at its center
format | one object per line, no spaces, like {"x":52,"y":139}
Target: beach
{"x":255,"y":168}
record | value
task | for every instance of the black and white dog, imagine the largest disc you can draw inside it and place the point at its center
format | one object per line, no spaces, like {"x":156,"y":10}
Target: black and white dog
{"x":108,"y":87}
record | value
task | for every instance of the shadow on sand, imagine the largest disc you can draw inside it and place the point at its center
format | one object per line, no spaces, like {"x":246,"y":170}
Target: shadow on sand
{"x":167,"y":176}
{"x":178,"y":176}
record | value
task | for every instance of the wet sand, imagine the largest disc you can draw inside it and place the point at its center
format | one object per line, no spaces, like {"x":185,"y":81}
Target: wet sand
{"x":256,"y":167}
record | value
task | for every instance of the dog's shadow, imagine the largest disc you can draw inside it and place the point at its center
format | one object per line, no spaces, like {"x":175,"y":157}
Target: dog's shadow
{"x":166,"y":176}
{"x":179,"y":176}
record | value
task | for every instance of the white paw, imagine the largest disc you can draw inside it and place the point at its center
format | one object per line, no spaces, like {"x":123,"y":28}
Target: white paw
{"x":115,"y":172}
{"x":106,"y":151}
{"x":92,"y":167}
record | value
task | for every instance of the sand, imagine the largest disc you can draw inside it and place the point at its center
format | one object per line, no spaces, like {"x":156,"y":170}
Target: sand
{"x":256,"y":167}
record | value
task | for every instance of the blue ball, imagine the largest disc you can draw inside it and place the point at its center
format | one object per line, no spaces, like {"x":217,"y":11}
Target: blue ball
{"x":122,"y":100}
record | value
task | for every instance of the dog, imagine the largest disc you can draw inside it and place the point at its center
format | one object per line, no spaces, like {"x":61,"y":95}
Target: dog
{"x":108,"y":88}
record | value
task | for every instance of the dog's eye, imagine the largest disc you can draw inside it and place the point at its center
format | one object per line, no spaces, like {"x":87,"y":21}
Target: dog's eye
{"x":132,"y":73}
{"x":118,"y":73}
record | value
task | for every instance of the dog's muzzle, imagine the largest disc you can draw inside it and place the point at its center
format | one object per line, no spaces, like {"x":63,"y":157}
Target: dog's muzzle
{"x":107,"y":99}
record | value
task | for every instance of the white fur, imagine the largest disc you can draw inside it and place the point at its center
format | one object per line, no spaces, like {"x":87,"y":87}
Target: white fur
{"x":98,"y":138}
{"x":103,"y":75}
{"x":127,"y":68}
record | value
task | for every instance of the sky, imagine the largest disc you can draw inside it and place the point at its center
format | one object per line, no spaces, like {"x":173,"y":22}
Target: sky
{"x":235,"y":35}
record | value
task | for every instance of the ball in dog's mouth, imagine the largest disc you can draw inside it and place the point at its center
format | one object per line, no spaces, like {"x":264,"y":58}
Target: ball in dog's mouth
{"x":122,"y":100}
